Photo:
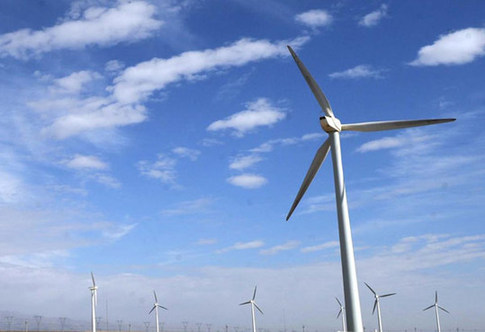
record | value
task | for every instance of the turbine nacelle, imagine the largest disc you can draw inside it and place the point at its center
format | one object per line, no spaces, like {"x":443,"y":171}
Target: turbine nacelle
{"x":330,"y":124}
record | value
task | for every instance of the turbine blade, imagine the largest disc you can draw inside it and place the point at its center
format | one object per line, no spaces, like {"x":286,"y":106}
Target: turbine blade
{"x":258,"y":308}
{"x":96,"y":297}
{"x":317,"y":92}
{"x":375,"y":305}
{"x":431,"y":306}
{"x":387,"y":295}
{"x":389,"y":125}
{"x":162,"y":307}
{"x":152,"y":309}
{"x":370,"y":288}
{"x":435,"y":297}
{"x":254,"y":294}
{"x":155,"y":294}
{"x":248,"y":302}
{"x":339,"y":313}
{"x":92,"y":277}
{"x":340,"y":304}
{"x":314,"y":167}
{"x":443,"y":309}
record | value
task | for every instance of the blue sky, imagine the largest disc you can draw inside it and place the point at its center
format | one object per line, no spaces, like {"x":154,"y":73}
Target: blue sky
{"x":160,"y":145}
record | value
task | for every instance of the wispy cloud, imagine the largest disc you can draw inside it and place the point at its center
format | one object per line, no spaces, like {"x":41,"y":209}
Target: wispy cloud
{"x":456,"y":48}
{"x":374,"y":17}
{"x":184,"y":152}
{"x":116,"y":232}
{"x":360,"y":71}
{"x":196,"y":206}
{"x":248,"y":181}
{"x":282,"y":247}
{"x":206,"y":242}
{"x":243,"y":246}
{"x":314,"y":18}
{"x":86,"y":162}
{"x":162,"y":169}
{"x":258,"y":113}
{"x":73,"y":83}
{"x":320,"y":247}
{"x":138,"y":82}
{"x":100,"y":26}
{"x":243,"y":162}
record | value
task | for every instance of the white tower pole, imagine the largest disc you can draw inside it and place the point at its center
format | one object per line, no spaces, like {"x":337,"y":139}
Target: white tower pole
{"x":253,"y":316}
{"x":156,"y":319}
{"x":437,"y":318}
{"x":379,"y":319}
{"x":349,"y":273}
{"x":93,"y":309}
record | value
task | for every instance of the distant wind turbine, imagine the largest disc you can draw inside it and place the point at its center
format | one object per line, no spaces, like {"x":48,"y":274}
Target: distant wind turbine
{"x":253,"y":304}
{"x":436,"y":307}
{"x":378,"y":305}
{"x":333,"y":127}
{"x":341,"y":313}
{"x":94,"y":303}
{"x":155,"y":307}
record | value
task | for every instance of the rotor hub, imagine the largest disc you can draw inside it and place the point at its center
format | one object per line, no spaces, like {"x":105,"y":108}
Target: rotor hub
{"x":330,"y":124}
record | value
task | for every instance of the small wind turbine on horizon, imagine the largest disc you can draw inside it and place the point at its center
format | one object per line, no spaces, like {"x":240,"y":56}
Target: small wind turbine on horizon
{"x":155,"y":307}
{"x":436,"y":307}
{"x":333,"y":127}
{"x":341,"y":312}
{"x":94,"y":303}
{"x":378,"y":305}
{"x":253,"y":304}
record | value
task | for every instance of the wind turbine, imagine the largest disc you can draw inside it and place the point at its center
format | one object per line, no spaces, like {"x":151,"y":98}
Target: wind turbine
{"x":333,"y":127}
{"x":377,"y":304}
{"x":436,"y":307}
{"x":253,"y":304}
{"x":155,"y":307}
{"x":341,"y":312}
{"x":94,"y":303}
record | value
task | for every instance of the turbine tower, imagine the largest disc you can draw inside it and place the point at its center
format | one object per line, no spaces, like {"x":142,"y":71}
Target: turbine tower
{"x":333,"y":127}
{"x":253,"y":304}
{"x":155,"y":307}
{"x":94,"y":303}
{"x":341,"y":312}
{"x":377,"y":304}
{"x":436,"y":307}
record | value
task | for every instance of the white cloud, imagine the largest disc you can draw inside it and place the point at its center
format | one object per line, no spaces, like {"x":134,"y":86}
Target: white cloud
{"x":138,"y":82}
{"x":456,"y":48}
{"x":374,"y":17}
{"x":184,"y":152}
{"x":86,"y":162}
{"x":243,"y":246}
{"x":360,"y":71}
{"x":206,"y":242}
{"x":243,"y":162}
{"x":116,"y":232}
{"x":100,"y":26}
{"x":398,"y":141}
{"x":196,"y":206}
{"x":163,"y":169}
{"x":248,"y":181}
{"x":74,"y":82}
{"x":258,"y":113}
{"x":319,"y":247}
{"x":114,"y":66}
{"x":90,"y":114}
{"x":282,"y":247}
{"x":314,"y":18}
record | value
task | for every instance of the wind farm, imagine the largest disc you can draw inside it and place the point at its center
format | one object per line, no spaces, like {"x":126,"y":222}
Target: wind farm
{"x":153,"y":157}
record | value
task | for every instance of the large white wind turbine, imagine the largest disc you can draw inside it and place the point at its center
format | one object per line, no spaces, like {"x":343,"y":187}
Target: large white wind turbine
{"x":94,"y":303}
{"x":253,"y":304}
{"x":436,"y":307}
{"x":341,"y":312}
{"x":155,"y":307}
{"x":378,"y":305}
{"x":333,"y":127}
